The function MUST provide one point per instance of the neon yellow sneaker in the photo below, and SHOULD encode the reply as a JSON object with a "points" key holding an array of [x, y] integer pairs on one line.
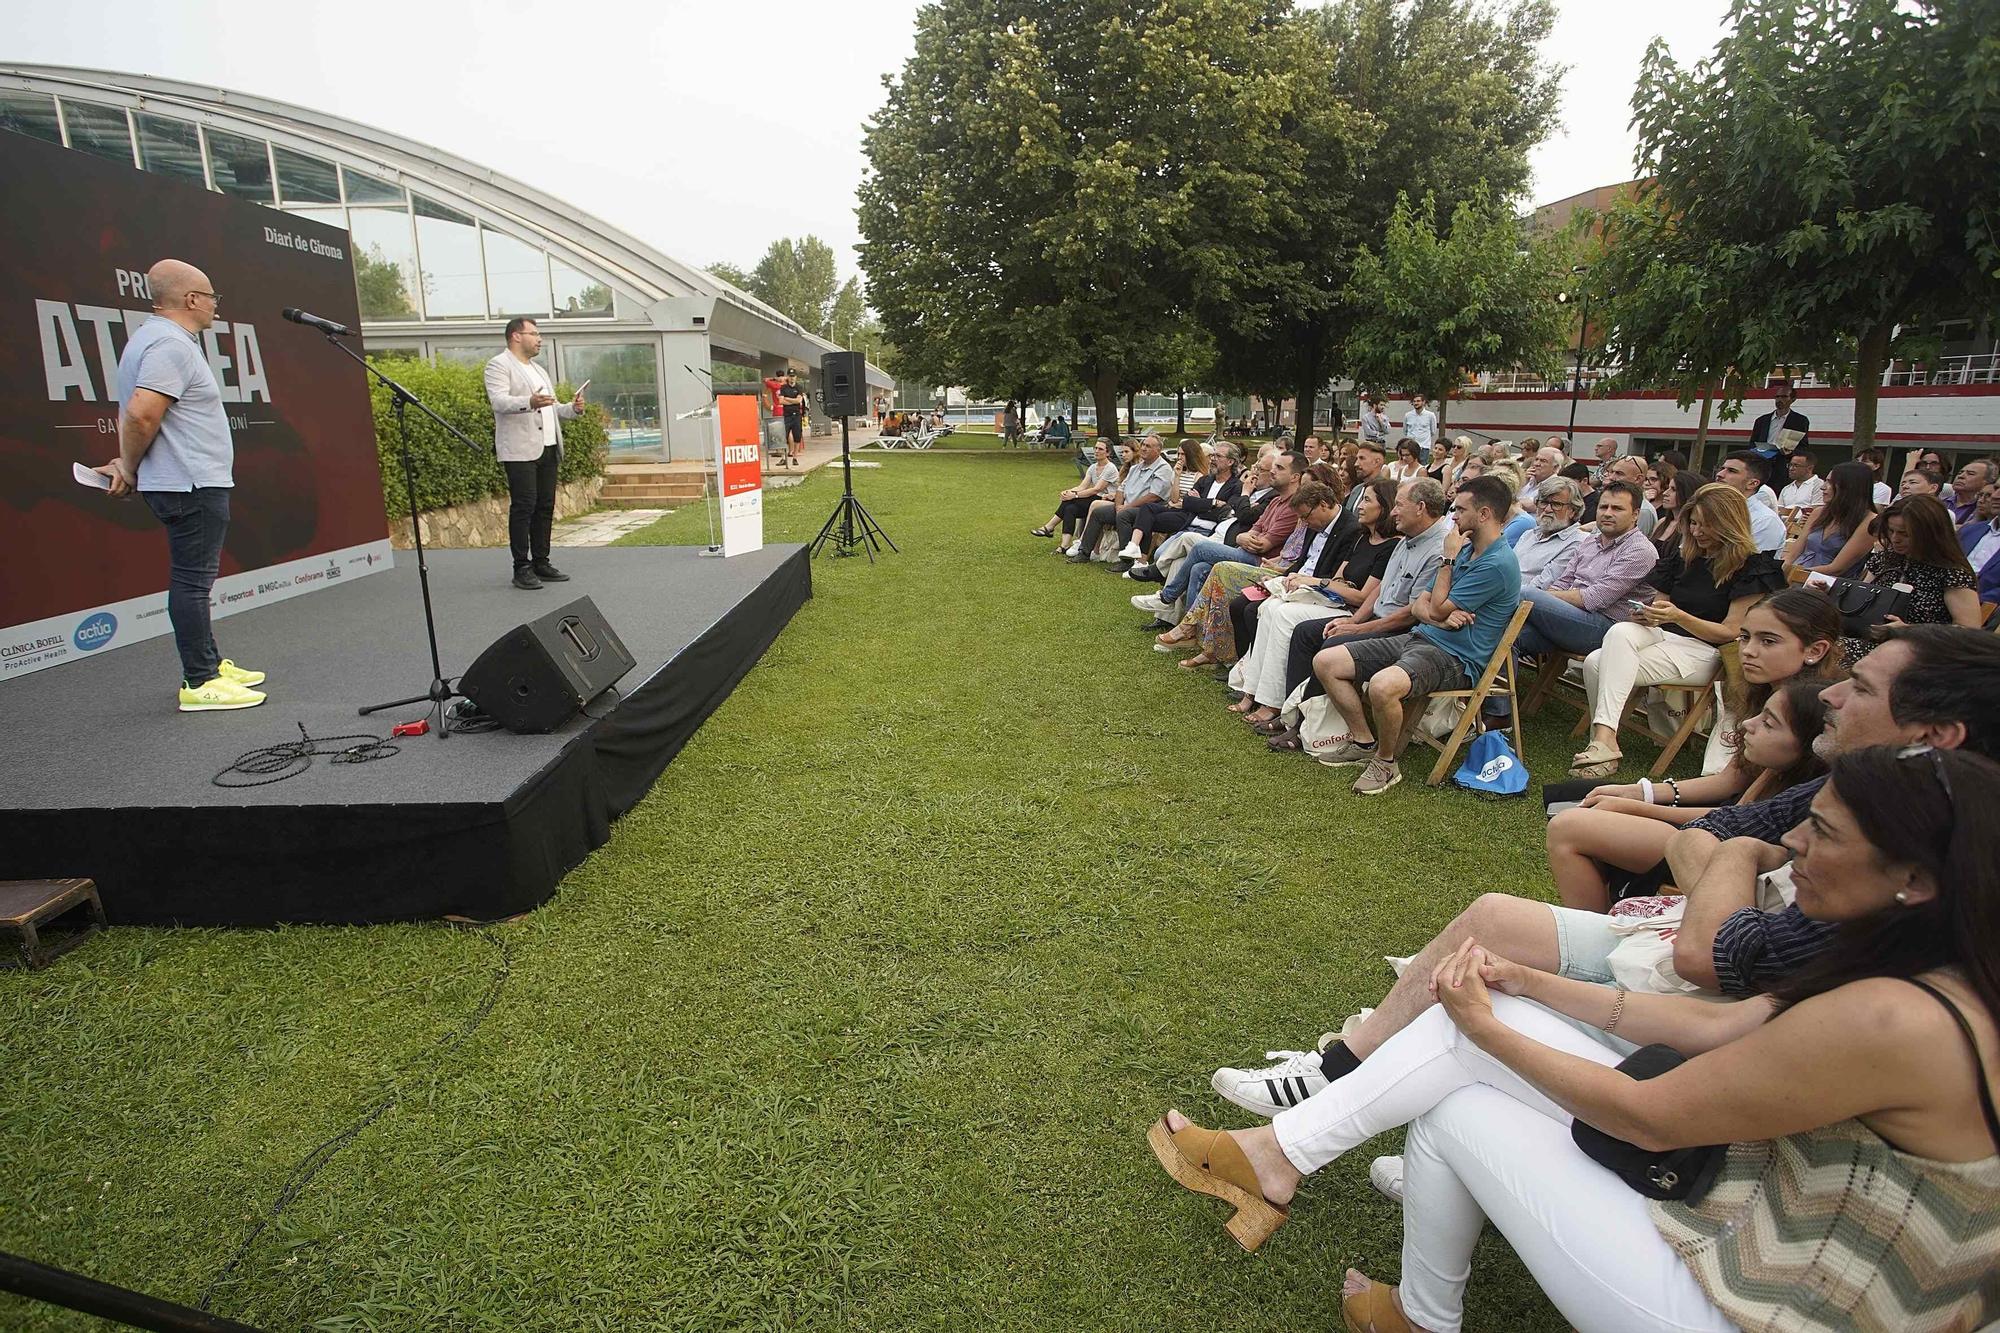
{"points": [[237, 675], [219, 695]]}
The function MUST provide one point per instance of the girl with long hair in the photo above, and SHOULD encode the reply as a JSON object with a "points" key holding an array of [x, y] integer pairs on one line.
{"points": [[1841, 530], [1703, 592], [1860, 1184]]}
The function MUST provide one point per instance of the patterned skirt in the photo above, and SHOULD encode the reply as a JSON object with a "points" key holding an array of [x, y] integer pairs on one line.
{"points": [[1208, 614]]}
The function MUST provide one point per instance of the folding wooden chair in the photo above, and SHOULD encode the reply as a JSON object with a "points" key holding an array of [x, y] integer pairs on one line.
{"points": [[1549, 669], [1497, 678]]}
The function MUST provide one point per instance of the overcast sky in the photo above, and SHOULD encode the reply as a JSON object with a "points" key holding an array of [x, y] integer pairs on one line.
{"points": [[707, 129]]}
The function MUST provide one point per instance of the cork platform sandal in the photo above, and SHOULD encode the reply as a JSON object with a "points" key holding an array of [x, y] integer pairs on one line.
{"points": [[1208, 1161]]}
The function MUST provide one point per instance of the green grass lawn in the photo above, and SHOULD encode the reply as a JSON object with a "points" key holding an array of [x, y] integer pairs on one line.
{"points": [[857, 1022]]}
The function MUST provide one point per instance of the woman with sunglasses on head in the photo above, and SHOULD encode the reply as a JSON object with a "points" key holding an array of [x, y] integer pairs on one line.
{"points": [[1858, 1189]]}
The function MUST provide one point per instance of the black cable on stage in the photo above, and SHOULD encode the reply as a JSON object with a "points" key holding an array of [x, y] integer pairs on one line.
{"points": [[275, 763], [310, 1165]]}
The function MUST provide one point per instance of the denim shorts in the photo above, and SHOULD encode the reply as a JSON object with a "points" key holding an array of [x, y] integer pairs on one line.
{"points": [[1429, 667], [1584, 941]]}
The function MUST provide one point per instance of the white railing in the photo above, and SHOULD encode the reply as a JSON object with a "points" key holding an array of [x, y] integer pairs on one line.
{"points": [[1981, 368]]}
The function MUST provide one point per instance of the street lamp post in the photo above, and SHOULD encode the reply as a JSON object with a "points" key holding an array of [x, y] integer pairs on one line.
{"points": [[1576, 376]]}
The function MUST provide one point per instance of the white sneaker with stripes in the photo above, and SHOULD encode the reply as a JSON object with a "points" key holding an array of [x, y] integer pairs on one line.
{"points": [[1296, 1076]]}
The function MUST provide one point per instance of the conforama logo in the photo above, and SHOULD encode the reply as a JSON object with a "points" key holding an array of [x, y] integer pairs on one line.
{"points": [[95, 631]]}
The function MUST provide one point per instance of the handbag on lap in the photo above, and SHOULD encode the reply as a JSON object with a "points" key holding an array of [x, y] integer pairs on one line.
{"points": [[1862, 606]]}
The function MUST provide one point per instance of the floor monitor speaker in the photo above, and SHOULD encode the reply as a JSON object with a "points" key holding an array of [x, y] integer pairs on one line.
{"points": [[537, 676]]}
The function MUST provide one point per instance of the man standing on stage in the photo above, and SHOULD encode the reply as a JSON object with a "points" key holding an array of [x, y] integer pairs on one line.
{"points": [[792, 398], [174, 449], [527, 437]]}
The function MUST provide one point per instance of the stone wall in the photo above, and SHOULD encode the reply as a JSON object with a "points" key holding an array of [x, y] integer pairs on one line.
{"points": [[484, 522]]}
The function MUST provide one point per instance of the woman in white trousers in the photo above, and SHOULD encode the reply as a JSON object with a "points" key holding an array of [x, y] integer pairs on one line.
{"points": [[1704, 591]]}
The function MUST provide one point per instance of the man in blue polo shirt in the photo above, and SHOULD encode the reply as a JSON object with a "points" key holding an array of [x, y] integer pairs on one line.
{"points": [[174, 449], [1460, 621]]}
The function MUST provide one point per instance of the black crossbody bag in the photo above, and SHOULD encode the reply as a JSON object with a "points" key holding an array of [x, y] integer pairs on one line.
{"points": [[1683, 1173]]}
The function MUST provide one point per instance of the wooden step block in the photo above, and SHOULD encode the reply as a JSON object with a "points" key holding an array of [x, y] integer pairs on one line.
{"points": [[29, 907]]}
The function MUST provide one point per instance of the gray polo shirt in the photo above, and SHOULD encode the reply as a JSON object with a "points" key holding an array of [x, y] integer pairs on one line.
{"points": [[193, 448], [1156, 478], [1412, 568]]}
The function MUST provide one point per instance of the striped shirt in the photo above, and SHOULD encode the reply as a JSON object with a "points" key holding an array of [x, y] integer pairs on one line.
{"points": [[1834, 1230], [1754, 948]]}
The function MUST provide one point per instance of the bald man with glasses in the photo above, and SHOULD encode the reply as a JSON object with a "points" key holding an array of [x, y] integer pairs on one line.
{"points": [[175, 450]]}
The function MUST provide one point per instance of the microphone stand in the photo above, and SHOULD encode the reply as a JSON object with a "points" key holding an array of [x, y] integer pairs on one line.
{"points": [[440, 693]]}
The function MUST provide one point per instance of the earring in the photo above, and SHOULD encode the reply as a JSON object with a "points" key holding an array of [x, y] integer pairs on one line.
{"points": [[1902, 897]]}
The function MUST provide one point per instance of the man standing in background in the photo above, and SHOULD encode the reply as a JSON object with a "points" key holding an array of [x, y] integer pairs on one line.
{"points": [[527, 439], [792, 402], [174, 449], [1420, 425]]}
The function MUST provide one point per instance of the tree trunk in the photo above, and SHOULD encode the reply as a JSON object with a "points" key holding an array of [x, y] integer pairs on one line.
{"points": [[1871, 356], [1180, 411], [1701, 428], [1306, 391], [1104, 393], [1131, 413]]}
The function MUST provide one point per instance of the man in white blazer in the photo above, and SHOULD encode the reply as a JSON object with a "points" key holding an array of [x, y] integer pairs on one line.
{"points": [[527, 437]]}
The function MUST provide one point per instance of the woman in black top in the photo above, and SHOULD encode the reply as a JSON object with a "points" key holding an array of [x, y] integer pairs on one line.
{"points": [[1705, 588]]}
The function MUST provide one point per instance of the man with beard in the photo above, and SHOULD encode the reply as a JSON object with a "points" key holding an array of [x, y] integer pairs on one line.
{"points": [[1579, 596]]}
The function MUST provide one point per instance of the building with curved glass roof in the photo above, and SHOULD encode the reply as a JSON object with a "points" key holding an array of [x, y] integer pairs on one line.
{"points": [[446, 251]]}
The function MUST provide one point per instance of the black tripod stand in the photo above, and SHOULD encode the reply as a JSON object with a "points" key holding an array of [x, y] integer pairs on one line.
{"points": [[855, 525], [440, 693]]}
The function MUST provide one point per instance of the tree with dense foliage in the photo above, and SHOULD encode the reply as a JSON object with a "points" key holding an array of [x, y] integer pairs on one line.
{"points": [[1052, 185], [1668, 306], [1441, 99], [1433, 307], [1843, 150]]}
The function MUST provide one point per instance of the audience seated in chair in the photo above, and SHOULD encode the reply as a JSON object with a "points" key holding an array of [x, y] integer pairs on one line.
{"points": [[1461, 619], [1580, 595], [1261, 676], [1074, 503], [1148, 480], [1858, 1095], [1702, 593]]}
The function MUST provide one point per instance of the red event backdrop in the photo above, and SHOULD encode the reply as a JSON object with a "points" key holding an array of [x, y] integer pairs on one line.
{"points": [[86, 572]]}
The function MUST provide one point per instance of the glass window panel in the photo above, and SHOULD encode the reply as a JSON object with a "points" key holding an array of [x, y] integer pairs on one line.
{"points": [[578, 295], [517, 276], [170, 147], [385, 263], [241, 166], [332, 217], [99, 130], [306, 180], [31, 114], [367, 190], [448, 247], [470, 354], [624, 381]]}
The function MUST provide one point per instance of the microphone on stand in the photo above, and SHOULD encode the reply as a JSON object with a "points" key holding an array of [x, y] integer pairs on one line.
{"points": [[311, 321]]}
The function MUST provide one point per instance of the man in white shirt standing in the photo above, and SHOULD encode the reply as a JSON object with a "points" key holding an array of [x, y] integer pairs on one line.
{"points": [[527, 437], [1420, 425], [1806, 491]]}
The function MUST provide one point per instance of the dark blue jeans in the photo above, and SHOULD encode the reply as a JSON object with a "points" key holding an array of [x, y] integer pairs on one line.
{"points": [[196, 522]]}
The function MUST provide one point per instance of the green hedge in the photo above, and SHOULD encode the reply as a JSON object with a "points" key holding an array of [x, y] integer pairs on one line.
{"points": [[448, 473]]}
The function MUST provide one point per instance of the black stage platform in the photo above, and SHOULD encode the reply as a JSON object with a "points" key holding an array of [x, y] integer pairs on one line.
{"points": [[103, 778]]}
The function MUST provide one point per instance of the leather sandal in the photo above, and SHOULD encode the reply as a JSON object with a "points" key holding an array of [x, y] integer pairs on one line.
{"points": [[1270, 726], [1285, 742], [1209, 1162], [1596, 760], [1373, 1310]]}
